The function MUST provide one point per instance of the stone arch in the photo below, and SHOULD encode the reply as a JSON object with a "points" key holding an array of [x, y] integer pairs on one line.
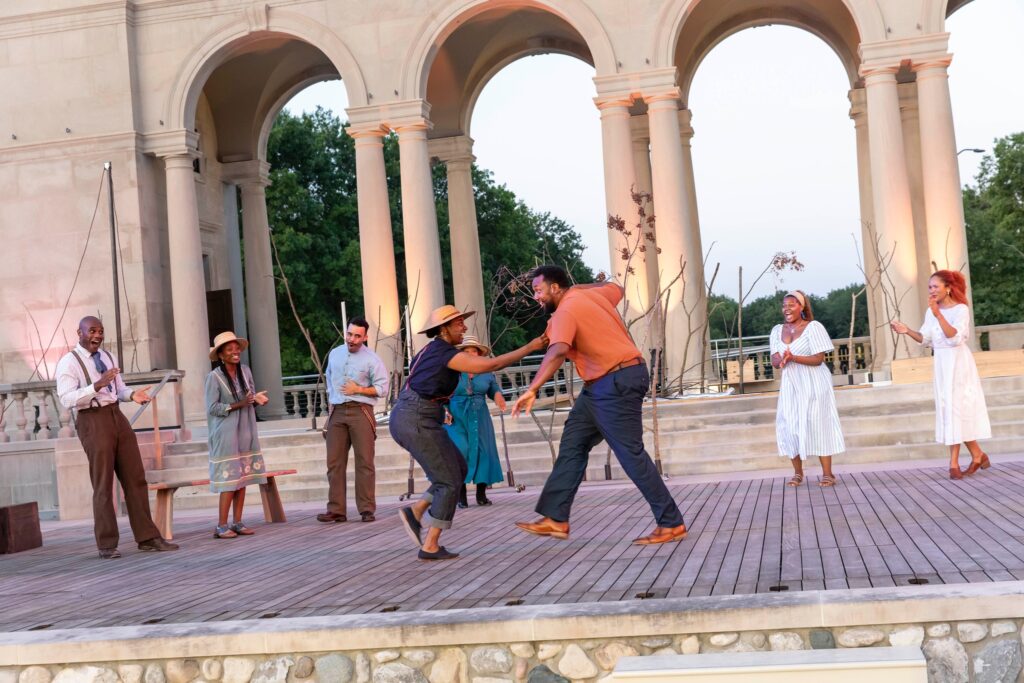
{"points": [[469, 104], [277, 105], [229, 39], [433, 32], [935, 12], [671, 21]]}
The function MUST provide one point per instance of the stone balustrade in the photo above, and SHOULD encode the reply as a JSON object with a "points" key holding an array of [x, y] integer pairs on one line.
{"points": [[31, 411]]}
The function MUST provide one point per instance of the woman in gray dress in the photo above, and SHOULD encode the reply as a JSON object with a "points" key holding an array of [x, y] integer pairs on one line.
{"points": [[235, 457]]}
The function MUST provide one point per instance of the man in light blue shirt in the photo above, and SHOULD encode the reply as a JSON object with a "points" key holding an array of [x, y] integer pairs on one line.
{"points": [[356, 379]]}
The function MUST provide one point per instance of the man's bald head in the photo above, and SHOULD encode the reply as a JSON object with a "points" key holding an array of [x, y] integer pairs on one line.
{"points": [[90, 333]]}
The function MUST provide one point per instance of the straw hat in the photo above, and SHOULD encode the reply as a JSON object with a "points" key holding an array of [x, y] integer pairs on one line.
{"points": [[469, 340], [222, 339], [445, 314]]}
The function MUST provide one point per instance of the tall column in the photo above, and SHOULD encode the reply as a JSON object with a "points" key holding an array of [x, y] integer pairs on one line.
{"points": [[188, 287], [881, 339], [261, 293], [678, 235], [467, 276], [376, 246], [642, 165], [890, 188], [425, 280], [625, 260], [233, 248], [912, 150], [696, 286], [944, 207]]}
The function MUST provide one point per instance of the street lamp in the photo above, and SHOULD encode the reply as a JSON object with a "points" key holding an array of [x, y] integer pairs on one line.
{"points": [[970, 149]]}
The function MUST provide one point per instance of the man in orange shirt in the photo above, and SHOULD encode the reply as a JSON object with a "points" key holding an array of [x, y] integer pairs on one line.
{"points": [[586, 328]]}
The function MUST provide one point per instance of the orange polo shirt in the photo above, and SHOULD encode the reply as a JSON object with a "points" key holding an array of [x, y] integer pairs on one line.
{"points": [[587, 320]]}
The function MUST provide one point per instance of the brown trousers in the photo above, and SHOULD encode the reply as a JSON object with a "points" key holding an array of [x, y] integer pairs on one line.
{"points": [[351, 424], [110, 445]]}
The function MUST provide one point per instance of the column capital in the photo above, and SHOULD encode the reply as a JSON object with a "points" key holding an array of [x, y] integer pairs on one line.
{"points": [[685, 123], [878, 73], [640, 128], [671, 95], [246, 173], [858, 106], [611, 102], [902, 50], [932, 65], [172, 143], [370, 129], [452, 149]]}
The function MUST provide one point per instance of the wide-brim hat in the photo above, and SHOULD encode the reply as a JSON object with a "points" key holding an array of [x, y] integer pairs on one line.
{"points": [[445, 314], [471, 341], [222, 339]]}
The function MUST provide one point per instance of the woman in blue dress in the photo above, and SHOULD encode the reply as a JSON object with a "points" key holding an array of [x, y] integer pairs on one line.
{"points": [[471, 428]]}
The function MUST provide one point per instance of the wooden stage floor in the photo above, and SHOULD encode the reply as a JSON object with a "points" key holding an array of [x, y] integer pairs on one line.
{"points": [[877, 527]]}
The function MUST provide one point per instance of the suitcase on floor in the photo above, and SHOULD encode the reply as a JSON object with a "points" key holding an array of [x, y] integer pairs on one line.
{"points": [[19, 528]]}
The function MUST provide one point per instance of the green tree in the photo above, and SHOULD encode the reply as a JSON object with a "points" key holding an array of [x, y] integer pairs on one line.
{"points": [[312, 207], [994, 215]]}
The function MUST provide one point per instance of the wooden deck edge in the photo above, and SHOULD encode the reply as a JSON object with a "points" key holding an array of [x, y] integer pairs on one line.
{"points": [[801, 610]]}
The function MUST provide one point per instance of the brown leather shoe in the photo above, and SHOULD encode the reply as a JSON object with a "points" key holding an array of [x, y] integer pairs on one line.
{"points": [[662, 534], [157, 545], [331, 517], [109, 553], [546, 527]]}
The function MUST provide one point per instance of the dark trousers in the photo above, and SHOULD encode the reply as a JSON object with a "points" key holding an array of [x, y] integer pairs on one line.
{"points": [[351, 425], [112, 449], [609, 409], [417, 426]]}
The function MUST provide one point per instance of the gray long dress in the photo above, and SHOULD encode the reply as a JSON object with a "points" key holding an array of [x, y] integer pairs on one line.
{"points": [[235, 457]]}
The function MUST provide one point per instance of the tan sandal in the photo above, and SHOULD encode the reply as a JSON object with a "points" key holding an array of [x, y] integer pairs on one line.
{"points": [[796, 480], [827, 480]]}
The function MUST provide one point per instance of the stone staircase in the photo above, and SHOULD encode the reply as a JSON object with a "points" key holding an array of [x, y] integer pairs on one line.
{"points": [[697, 436]]}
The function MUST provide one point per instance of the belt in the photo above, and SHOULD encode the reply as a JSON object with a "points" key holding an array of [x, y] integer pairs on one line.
{"points": [[621, 366], [95, 409]]}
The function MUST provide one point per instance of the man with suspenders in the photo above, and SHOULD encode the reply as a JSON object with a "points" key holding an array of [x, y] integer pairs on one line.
{"points": [[90, 384]]}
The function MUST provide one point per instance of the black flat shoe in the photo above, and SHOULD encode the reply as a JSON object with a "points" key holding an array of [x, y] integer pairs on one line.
{"points": [[109, 553], [441, 554], [411, 525], [484, 501], [461, 505]]}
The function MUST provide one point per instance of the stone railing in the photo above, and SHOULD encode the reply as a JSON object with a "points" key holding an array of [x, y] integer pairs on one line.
{"points": [[1000, 337], [757, 358], [30, 411], [301, 392]]}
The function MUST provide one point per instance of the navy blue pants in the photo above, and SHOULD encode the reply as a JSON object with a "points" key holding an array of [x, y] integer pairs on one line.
{"points": [[610, 409], [417, 426]]}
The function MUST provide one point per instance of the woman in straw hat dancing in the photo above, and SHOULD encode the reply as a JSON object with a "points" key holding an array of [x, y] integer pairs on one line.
{"points": [[471, 428], [235, 457], [417, 424]]}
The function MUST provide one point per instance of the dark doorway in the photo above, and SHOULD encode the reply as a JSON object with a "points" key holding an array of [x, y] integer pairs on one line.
{"points": [[219, 314]]}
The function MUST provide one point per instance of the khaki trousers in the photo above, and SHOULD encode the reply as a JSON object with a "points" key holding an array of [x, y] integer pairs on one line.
{"points": [[112, 449], [351, 424]]}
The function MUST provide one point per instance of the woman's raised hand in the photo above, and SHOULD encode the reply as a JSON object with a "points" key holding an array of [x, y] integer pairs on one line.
{"points": [[898, 327], [538, 343]]}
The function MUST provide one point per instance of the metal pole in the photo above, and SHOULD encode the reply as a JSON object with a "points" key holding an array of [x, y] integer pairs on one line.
{"points": [[108, 167]]}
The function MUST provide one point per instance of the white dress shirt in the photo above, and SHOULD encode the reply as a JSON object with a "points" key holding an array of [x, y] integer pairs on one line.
{"points": [[77, 391]]}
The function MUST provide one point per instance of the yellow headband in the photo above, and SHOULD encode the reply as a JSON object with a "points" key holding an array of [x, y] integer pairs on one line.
{"points": [[799, 297]]}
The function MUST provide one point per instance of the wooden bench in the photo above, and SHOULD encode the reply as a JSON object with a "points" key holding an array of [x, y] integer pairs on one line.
{"points": [[842, 665], [273, 510]]}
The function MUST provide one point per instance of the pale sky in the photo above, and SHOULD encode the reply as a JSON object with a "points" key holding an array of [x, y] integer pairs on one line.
{"points": [[774, 148]]}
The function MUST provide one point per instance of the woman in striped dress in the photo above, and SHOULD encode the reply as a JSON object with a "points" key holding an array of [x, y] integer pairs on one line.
{"points": [[807, 422]]}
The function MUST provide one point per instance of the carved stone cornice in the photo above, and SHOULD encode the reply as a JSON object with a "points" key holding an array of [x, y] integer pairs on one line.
{"points": [[452, 149], [396, 116], [251, 172], [635, 85], [172, 143]]}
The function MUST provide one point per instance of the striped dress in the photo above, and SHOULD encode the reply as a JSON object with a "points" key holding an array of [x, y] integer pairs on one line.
{"points": [[806, 422]]}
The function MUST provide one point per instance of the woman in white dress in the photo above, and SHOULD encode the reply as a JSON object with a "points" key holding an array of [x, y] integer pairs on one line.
{"points": [[807, 422], [960, 411]]}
